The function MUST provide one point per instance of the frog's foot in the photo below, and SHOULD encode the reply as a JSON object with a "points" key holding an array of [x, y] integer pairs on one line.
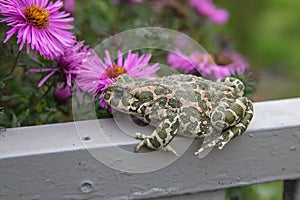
{"points": [[170, 149], [161, 136], [231, 132], [141, 136], [219, 142], [238, 129], [203, 151]]}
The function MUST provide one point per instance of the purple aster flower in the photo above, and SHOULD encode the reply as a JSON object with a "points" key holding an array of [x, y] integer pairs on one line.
{"points": [[39, 24], [234, 61], [207, 9], [63, 92], [68, 63], [96, 74], [226, 63], [69, 5], [180, 61], [220, 16]]}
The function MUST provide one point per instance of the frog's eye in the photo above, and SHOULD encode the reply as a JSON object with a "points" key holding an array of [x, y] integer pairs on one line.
{"points": [[118, 91]]}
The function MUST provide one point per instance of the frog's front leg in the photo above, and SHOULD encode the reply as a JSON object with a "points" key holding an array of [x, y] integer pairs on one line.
{"points": [[234, 121], [161, 136]]}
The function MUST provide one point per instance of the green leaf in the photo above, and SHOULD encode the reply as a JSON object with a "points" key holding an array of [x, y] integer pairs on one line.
{"points": [[14, 121], [5, 77], [8, 98], [2, 85]]}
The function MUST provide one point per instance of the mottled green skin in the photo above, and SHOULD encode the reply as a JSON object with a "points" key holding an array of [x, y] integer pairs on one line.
{"points": [[183, 104]]}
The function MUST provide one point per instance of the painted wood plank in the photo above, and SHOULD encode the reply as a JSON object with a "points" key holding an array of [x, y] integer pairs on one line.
{"points": [[52, 161], [211, 195]]}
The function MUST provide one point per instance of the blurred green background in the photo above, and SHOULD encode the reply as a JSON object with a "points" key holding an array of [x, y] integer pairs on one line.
{"points": [[267, 33]]}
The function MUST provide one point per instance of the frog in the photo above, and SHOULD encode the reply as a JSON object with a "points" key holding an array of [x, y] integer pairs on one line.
{"points": [[184, 105]]}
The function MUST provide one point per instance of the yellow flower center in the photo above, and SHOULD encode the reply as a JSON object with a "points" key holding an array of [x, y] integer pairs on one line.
{"points": [[115, 71], [37, 16]]}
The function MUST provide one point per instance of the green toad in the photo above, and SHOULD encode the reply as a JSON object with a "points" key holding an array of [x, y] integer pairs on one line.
{"points": [[183, 105]]}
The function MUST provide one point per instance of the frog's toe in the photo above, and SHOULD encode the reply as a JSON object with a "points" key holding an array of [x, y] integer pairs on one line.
{"points": [[140, 136], [205, 149], [139, 146], [223, 140], [170, 149]]}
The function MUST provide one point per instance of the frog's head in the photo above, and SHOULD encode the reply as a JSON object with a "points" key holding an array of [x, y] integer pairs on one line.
{"points": [[118, 95]]}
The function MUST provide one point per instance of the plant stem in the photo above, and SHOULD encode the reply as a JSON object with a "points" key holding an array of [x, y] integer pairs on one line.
{"points": [[15, 63], [40, 98], [12, 69]]}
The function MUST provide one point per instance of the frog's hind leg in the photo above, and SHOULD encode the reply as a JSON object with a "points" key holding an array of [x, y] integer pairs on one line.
{"points": [[237, 129], [234, 83], [161, 136], [235, 121]]}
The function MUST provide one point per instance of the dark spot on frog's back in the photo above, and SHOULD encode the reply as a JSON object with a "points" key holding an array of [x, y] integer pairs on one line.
{"points": [[162, 101], [159, 90], [136, 104], [174, 103], [202, 104], [144, 95]]}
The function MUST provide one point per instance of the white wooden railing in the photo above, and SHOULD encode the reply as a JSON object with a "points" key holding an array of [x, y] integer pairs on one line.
{"points": [[51, 162]]}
